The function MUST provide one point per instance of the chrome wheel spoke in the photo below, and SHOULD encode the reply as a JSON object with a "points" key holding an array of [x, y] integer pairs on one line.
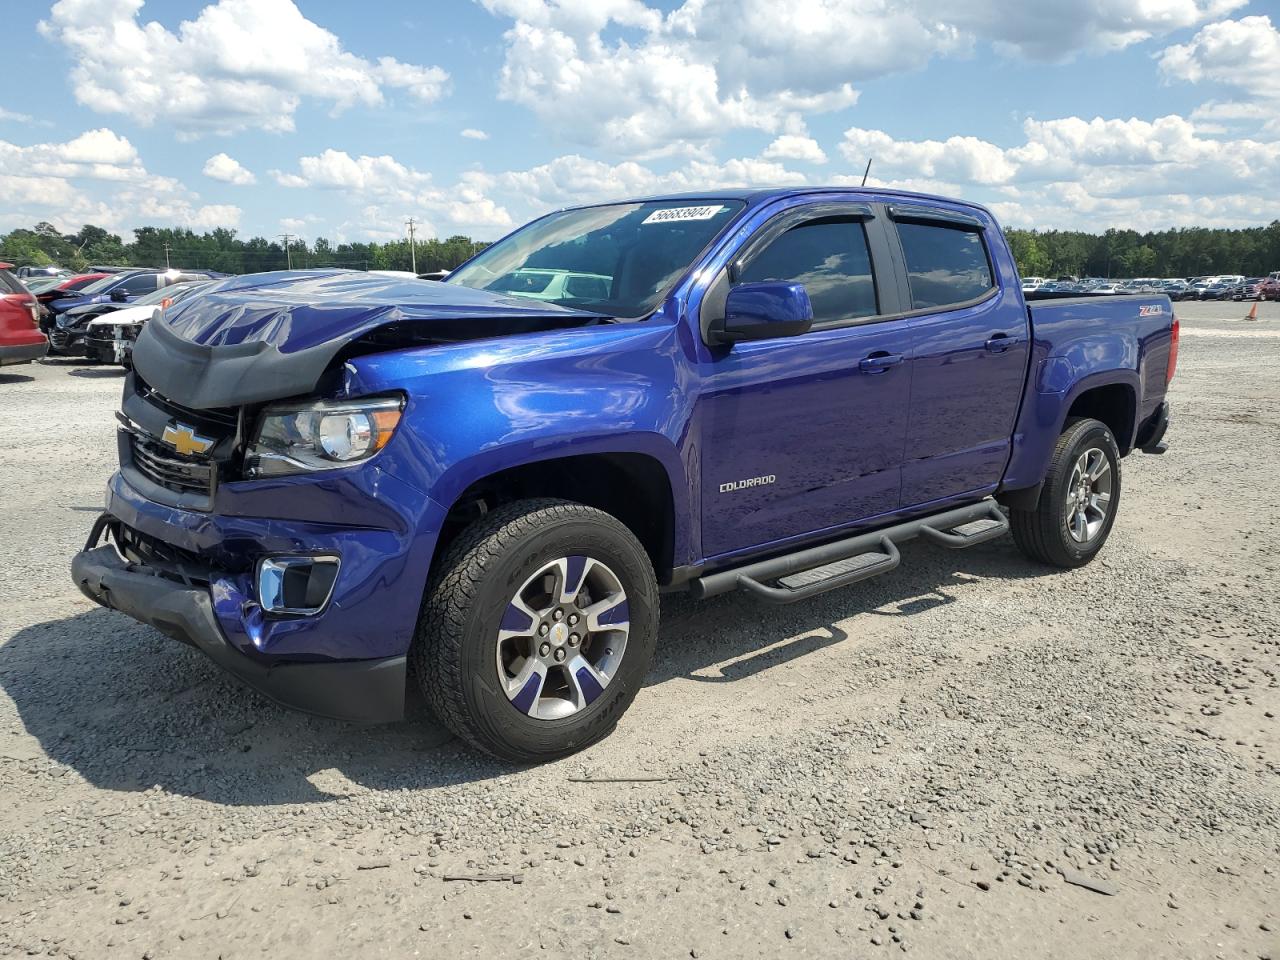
{"points": [[573, 574], [1100, 467], [526, 688], [587, 682], [611, 613]]}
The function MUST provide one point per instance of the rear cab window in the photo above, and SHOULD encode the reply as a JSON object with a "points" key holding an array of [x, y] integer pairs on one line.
{"points": [[947, 265]]}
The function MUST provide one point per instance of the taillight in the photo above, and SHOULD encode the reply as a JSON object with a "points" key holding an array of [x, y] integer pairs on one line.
{"points": [[1173, 352]]}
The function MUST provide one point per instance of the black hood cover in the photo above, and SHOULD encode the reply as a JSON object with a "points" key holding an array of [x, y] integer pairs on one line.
{"points": [[272, 335]]}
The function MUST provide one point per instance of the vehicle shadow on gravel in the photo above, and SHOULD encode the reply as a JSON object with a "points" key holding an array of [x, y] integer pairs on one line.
{"points": [[734, 636], [98, 373], [127, 708], [7, 378]]}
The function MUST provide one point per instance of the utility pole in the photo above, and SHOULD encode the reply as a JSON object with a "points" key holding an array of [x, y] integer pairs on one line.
{"points": [[166, 254], [286, 237], [413, 250]]}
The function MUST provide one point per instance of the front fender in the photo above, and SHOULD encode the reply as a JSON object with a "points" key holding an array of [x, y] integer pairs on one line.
{"points": [[478, 408]]}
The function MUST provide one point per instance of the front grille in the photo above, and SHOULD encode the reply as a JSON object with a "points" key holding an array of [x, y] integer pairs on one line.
{"points": [[161, 465], [224, 417], [160, 557]]}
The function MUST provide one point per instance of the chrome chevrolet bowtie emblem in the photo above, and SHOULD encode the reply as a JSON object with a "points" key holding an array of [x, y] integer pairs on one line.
{"points": [[185, 440]]}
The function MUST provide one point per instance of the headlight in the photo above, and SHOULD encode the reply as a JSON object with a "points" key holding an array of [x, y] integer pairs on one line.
{"points": [[302, 438]]}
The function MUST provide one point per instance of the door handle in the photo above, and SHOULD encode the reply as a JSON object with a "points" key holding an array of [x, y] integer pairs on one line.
{"points": [[879, 362], [1001, 342]]}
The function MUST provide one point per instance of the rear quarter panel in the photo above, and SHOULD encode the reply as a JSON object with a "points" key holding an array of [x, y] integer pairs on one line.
{"points": [[1078, 345]]}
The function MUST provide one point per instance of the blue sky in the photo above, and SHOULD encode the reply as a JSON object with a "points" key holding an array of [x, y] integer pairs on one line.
{"points": [[341, 120]]}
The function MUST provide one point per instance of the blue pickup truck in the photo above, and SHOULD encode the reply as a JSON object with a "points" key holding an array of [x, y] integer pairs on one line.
{"points": [[336, 485]]}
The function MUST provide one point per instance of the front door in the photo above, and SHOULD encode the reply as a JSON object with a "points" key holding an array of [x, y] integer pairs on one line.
{"points": [[805, 433]]}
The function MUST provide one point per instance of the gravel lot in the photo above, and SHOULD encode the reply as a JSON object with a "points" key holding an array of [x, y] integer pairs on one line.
{"points": [[969, 757]]}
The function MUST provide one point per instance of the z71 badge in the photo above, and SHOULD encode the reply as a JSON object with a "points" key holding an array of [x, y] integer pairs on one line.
{"points": [[1150, 310]]}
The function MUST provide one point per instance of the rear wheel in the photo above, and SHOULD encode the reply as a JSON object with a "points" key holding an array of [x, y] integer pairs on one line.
{"points": [[538, 629], [1078, 502]]}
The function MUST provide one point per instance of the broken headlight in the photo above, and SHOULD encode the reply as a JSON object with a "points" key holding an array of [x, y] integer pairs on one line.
{"points": [[302, 438]]}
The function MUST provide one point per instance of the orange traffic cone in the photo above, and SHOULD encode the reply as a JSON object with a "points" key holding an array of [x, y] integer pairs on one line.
{"points": [[1253, 311]]}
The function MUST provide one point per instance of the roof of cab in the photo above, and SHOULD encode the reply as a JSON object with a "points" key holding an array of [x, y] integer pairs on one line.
{"points": [[760, 195]]}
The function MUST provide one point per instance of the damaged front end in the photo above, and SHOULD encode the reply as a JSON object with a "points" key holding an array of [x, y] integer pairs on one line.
{"points": [[229, 525]]}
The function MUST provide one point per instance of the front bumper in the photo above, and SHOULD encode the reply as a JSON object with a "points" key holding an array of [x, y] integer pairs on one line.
{"points": [[191, 574], [367, 691]]}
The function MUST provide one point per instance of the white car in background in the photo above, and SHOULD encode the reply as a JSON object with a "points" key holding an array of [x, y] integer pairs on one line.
{"points": [[109, 338]]}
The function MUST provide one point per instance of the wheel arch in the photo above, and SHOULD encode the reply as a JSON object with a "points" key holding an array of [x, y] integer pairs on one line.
{"points": [[635, 488], [1114, 403]]}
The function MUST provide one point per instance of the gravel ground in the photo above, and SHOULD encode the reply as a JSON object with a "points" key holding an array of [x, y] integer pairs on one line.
{"points": [[969, 757]]}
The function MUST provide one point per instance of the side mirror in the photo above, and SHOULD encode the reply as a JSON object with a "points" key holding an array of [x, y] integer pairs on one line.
{"points": [[763, 311], [118, 296]]}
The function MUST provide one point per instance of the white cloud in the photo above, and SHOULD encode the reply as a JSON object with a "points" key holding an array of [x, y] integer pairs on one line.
{"points": [[471, 133], [792, 147], [97, 177], [13, 117], [1091, 173], [636, 80], [1242, 54], [228, 170], [240, 64], [380, 181]]}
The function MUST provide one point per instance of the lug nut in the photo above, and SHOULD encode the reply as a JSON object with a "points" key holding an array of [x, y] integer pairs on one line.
{"points": [[543, 630], [558, 615], [560, 655], [544, 649], [573, 639], [573, 618]]}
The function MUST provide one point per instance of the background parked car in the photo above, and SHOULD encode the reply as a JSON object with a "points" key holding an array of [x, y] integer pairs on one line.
{"points": [[110, 334], [51, 271], [1248, 290], [1269, 289], [66, 328], [20, 338]]}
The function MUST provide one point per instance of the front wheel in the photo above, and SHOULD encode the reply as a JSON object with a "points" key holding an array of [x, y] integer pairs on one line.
{"points": [[537, 629], [1078, 502]]}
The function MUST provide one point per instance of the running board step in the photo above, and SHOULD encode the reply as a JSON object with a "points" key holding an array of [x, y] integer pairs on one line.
{"points": [[807, 573]]}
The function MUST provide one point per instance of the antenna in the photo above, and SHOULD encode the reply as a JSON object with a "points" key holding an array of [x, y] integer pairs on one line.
{"points": [[866, 171]]}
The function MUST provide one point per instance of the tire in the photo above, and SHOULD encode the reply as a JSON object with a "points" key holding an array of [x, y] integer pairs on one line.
{"points": [[1045, 533], [498, 567]]}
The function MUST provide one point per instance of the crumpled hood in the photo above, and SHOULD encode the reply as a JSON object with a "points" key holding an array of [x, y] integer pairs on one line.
{"points": [[271, 335]]}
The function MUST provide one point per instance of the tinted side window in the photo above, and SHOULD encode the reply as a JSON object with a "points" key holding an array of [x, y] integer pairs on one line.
{"points": [[831, 259], [944, 265], [143, 283]]}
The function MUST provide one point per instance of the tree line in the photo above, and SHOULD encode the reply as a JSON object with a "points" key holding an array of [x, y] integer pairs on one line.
{"points": [[223, 250], [1182, 252]]}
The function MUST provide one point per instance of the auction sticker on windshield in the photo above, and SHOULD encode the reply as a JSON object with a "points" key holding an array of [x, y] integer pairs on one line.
{"points": [[682, 213]]}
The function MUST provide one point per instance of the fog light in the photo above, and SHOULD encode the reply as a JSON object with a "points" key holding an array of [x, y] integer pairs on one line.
{"points": [[296, 585]]}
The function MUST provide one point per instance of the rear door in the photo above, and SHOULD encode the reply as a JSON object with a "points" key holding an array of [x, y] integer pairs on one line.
{"points": [[969, 365], [804, 433]]}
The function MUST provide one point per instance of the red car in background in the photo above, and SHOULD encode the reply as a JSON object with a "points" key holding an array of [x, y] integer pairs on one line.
{"points": [[20, 338], [1269, 289], [69, 287]]}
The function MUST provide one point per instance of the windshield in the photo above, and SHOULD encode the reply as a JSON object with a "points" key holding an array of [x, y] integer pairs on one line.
{"points": [[175, 291], [619, 260]]}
